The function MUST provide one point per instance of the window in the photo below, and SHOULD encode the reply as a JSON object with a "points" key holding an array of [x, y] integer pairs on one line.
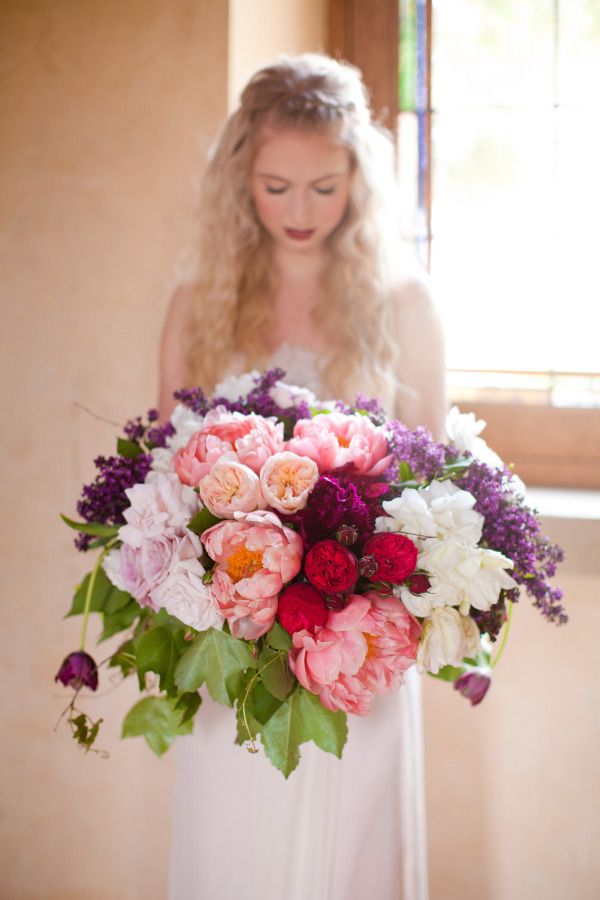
{"points": [[499, 137]]}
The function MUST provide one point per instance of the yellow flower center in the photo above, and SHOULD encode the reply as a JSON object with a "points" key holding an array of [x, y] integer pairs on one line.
{"points": [[371, 644], [342, 441], [243, 563]]}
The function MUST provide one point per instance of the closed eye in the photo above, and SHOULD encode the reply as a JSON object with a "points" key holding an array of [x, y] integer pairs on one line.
{"points": [[325, 191], [275, 190]]}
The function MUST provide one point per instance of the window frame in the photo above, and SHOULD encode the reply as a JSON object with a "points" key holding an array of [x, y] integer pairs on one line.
{"points": [[548, 445]]}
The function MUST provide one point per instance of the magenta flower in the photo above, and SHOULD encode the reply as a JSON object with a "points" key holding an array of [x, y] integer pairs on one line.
{"points": [[78, 670], [473, 685]]}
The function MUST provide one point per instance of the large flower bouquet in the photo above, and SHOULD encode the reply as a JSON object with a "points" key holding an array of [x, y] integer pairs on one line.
{"points": [[296, 558]]}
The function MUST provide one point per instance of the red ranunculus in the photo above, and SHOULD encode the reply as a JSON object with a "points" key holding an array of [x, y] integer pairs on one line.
{"points": [[301, 607], [395, 554], [331, 567]]}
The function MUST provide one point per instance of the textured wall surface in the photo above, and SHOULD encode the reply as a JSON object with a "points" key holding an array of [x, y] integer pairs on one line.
{"points": [[107, 111]]}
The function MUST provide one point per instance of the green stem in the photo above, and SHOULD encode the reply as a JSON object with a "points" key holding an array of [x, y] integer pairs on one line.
{"points": [[496, 658], [252, 737], [90, 591]]}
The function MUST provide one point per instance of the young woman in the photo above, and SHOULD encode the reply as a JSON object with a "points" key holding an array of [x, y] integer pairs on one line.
{"points": [[300, 266]]}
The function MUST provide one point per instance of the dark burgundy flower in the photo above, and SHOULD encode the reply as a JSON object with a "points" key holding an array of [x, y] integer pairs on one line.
{"points": [[395, 555], [330, 567], [367, 566], [473, 685], [418, 583], [78, 670], [301, 607]]}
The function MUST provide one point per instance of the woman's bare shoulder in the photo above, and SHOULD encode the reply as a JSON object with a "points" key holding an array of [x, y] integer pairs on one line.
{"points": [[413, 303]]}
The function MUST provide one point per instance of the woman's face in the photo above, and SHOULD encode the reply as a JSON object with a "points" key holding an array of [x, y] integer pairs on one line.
{"points": [[300, 187]]}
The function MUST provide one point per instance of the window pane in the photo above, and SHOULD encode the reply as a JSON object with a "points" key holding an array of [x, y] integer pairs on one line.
{"points": [[579, 51], [492, 52], [502, 260]]}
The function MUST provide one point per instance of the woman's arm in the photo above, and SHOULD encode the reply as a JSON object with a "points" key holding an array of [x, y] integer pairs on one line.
{"points": [[172, 367], [422, 368]]}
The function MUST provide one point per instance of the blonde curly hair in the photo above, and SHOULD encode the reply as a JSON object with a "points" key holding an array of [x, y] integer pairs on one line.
{"points": [[235, 281]]}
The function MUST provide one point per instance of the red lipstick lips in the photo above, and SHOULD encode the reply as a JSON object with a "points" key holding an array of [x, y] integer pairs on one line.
{"points": [[299, 235]]}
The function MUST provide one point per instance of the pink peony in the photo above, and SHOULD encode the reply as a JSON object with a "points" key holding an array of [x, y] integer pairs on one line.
{"points": [[255, 437], [182, 591], [392, 636], [255, 555], [161, 507], [255, 447], [362, 651], [334, 439], [229, 487], [286, 480]]}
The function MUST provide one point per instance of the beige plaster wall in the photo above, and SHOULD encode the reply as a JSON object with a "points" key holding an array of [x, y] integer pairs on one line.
{"points": [[107, 109]]}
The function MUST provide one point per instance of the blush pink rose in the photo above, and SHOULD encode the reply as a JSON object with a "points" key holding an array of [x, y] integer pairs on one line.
{"points": [[230, 487], [255, 555], [335, 439], [286, 480]]}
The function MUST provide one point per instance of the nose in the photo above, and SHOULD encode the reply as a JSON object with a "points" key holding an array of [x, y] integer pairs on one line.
{"points": [[300, 209]]}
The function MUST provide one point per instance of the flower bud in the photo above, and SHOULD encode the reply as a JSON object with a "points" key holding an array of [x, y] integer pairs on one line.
{"points": [[347, 535], [335, 601], [367, 566], [473, 685], [78, 670], [418, 583]]}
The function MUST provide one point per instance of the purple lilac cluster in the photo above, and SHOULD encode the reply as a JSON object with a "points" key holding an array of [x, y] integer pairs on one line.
{"points": [[104, 500], [513, 529], [425, 457], [152, 435], [258, 400]]}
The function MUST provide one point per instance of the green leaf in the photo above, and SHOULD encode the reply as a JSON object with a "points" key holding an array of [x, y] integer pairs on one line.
{"points": [[188, 703], [448, 673], [124, 658], [100, 594], [119, 620], [278, 638], [95, 528], [302, 718], [202, 520], [116, 600], [156, 652], [85, 730], [217, 659], [275, 673], [130, 449], [327, 729], [158, 721]]}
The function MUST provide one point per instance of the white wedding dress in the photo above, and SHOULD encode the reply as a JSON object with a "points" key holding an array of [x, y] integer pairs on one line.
{"points": [[349, 829]]}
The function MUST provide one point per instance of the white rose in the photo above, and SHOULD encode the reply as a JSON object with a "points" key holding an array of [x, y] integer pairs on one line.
{"points": [[463, 430], [453, 513], [236, 386], [286, 395], [441, 642], [408, 513], [465, 576]]}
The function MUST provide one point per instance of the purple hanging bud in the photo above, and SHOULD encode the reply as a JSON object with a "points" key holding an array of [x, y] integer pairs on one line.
{"points": [[367, 566], [78, 670], [347, 535], [473, 685]]}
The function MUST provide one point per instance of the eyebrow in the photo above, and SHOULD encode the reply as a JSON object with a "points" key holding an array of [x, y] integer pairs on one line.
{"points": [[314, 181]]}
